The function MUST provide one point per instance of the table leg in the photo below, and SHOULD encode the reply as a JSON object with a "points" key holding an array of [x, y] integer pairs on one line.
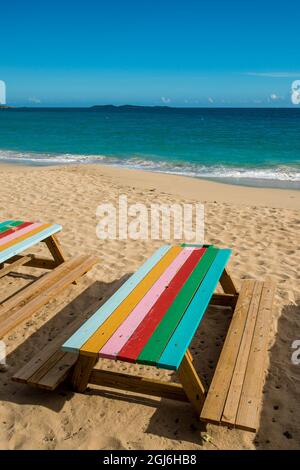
{"points": [[55, 249], [227, 283], [82, 372], [191, 383]]}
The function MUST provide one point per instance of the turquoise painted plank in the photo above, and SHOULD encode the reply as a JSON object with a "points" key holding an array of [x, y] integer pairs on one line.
{"points": [[184, 333], [2, 224], [23, 245], [77, 340]]}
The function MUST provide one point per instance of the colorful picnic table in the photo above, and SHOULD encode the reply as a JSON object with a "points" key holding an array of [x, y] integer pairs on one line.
{"points": [[17, 236], [151, 320]]}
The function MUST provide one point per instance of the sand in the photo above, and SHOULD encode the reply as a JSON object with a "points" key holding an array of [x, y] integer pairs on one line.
{"points": [[262, 226]]}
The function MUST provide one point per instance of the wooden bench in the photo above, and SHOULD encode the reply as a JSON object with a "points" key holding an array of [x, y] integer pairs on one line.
{"points": [[235, 393], [151, 319], [16, 236]]}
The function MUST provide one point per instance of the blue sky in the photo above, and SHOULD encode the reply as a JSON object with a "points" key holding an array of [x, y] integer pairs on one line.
{"points": [[179, 53]]}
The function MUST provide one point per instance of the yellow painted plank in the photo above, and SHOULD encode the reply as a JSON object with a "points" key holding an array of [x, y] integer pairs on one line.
{"points": [[102, 335], [24, 237]]}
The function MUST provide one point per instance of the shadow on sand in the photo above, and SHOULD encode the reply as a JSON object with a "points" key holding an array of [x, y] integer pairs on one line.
{"points": [[280, 416]]}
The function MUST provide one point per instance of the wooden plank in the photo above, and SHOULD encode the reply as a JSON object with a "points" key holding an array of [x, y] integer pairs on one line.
{"points": [[136, 384], [10, 223], [191, 383], [16, 317], [82, 372], [20, 262], [34, 365], [136, 343], [101, 336], [215, 401], [28, 242], [5, 223], [235, 388], [31, 291], [75, 342], [35, 261], [227, 283], [157, 343], [59, 372], [10, 231], [45, 367], [250, 401], [127, 328], [183, 335], [21, 235], [224, 300], [55, 249]]}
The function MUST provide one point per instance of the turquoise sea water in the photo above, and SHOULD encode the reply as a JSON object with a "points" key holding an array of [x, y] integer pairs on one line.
{"points": [[259, 147]]}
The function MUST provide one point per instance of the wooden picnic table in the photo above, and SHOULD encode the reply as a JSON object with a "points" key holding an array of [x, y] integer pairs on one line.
{"points": [[17, 236], [153, 317]]}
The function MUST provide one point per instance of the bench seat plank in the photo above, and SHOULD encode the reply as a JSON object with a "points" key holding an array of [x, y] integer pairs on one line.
{"points": [[249, 406], [76, 341], [217, 393], [232, 404], [42, 291], [183, 335], [48, 368], [157, 343], [235, 393]]}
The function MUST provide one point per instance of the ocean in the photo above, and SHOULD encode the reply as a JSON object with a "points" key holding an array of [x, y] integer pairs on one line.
{"points": [[256, 147]]}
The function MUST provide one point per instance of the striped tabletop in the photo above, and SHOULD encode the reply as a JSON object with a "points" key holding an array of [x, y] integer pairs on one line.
{"points": [[17, 235], [154, 315]]}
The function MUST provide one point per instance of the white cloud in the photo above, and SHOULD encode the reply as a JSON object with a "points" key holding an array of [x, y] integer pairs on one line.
{"points": [[34, 100], [275, 97], [166, 100], [273, 74], [210, 99], [2, 92]]}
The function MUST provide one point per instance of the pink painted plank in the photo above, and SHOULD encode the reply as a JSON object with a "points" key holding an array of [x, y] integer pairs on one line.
{"points": [[144, 331], [15, 229], [19, 233], [128, 327]]}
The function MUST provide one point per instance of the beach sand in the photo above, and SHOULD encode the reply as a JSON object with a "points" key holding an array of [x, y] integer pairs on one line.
{"points": [[262, 226]]}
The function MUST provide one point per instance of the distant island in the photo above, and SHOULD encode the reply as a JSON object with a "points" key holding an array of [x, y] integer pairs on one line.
{"points": [[4, 106], [126, 107]]}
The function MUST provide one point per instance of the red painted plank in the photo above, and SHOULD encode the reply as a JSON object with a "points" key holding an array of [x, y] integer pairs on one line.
{"points": [[15, 229], [137, 341]]}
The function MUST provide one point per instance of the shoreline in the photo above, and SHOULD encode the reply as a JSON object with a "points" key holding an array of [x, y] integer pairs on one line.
{"points": [[188, 187]]}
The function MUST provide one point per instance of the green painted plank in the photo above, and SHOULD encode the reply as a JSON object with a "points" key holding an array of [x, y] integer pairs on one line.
{"points": [[184, 333], [6, 222], [13, 223], [158, 341]]}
